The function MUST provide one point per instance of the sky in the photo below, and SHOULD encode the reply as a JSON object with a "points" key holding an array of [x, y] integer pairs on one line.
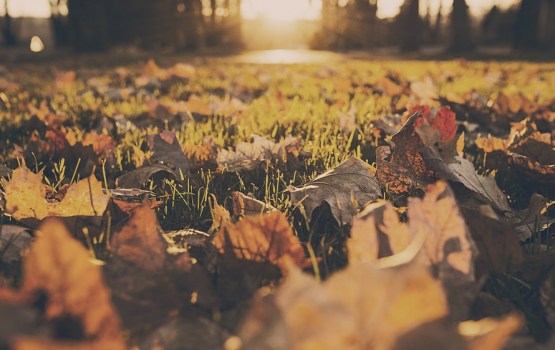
{"points": [[279, 9]]}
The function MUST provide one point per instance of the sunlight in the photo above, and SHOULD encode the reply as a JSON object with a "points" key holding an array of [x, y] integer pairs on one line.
{"points": [[27, 8], [281, 10]]}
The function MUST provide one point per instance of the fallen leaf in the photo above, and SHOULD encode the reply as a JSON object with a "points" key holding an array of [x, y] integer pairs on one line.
{"points": [[137, 178], [249, 155], [264, 238], [529, 221], [435, 221], [345, 188], [60, 267], [25, 196], [484, 187], [498, 245], [361, 307], [401, 166], [244, 205], [167, 151], [149, 284], [14, 242], [140, 242]]}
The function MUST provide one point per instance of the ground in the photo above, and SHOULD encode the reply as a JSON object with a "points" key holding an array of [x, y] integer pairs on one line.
{"points": [[222, 178]]}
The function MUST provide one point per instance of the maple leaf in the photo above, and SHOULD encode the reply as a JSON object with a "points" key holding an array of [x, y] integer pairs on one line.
{"points": [[401, 166], [361, 307], [345, 188], [265, 238], [441, 120], [60, 266], [435, 226], [25, 196]]}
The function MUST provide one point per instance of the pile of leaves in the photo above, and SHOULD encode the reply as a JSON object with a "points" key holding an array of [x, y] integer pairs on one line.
{"points": [[214, 205]]}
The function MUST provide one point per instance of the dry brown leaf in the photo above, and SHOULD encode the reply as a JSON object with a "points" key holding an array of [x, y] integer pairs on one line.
{"points": [[435, 221], [526, 150], [140, 242], [345, 188], [401, 166], [249, 155], [61, 267], [361, 307], [150, 284], [244, 205], [25, 196], [265, 238], [498, 245], [483, 187]]}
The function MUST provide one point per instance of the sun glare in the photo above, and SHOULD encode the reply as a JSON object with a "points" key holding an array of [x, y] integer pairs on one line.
{"points": [[281, 10]]}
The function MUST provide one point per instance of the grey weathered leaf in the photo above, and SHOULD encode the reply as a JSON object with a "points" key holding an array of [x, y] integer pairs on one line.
{"points": [[484, 187], [531, 220], [14, 240], [345, 188], [248, 155], [138, 177]]}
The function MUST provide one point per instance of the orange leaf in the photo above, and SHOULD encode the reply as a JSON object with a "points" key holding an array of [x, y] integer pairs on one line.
{"points": [[434, 221], [361, 307], [266, 238], [25, 197], [60, 266]]}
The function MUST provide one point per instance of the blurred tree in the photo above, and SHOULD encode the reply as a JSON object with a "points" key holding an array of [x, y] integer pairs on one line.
{"points": [[59, 20], [547, 24], [173, 24], [436, 33], [497, 26], [410, 26], [7, 30], [361, 30], [535, 25], [461, 27], [88, 24], [526, 26]]}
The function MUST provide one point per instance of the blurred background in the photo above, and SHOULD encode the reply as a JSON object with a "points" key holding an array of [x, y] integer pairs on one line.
{"points": [[433, 26]]}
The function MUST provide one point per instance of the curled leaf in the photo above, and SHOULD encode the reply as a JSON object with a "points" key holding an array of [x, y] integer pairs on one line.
{"points": [[346, 188], [435, 221]]}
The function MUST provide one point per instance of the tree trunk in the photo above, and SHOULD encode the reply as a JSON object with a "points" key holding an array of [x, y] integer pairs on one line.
{"points": [[88, 25], [7, 32], [526, 26], [410, 26], [461, 28]]}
